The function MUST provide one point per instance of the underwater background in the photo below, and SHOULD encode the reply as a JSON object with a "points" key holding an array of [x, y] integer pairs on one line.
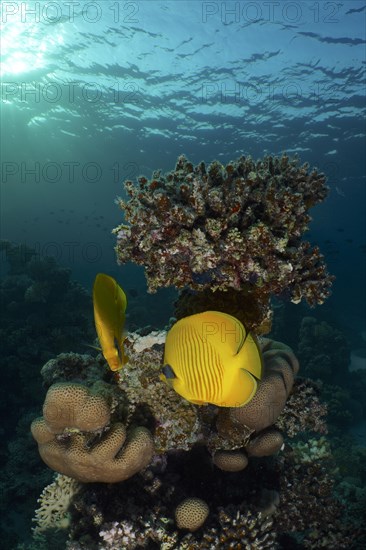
{"points": [[94, 93]]}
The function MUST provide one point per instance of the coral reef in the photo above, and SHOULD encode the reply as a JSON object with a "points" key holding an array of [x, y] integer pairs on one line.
{"points": [[230, 461], [271, 503], [311, 450], [43, 313], [241, 529], [312, 510], [76, 407], [303, 411], [33, 331], [75, 368], [219, 227], [87, 425]]}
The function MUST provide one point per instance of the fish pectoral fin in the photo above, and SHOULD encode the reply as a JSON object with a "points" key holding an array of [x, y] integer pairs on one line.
{"points": [[243, 390], [91, 346]]}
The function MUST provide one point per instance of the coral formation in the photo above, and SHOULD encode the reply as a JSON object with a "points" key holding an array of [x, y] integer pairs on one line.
{"points": [[230, 461], [241, 529], [191, 514], [115, 457], [311, 450], [54, 504], [219, 227], [75, 436], [75, 368], [56, 320], [303, 411], [267, 443], [265, 506], [312, 510], [76, 407], [77, 422]]}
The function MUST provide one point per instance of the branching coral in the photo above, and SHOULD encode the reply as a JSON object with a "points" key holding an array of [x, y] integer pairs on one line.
{"points": [[233, 529], [303, 410], [227, 227], [313, 510], [54, 504]]}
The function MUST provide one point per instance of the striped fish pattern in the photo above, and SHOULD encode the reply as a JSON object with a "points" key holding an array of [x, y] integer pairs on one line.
{"points": [[211, 358]]}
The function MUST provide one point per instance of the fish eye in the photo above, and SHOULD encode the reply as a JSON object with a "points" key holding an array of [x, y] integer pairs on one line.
{"points": [[168, 372]]}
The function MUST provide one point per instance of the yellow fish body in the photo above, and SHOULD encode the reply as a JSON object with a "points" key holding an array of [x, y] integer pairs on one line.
{"points": [[109, 302], [211, 358]]}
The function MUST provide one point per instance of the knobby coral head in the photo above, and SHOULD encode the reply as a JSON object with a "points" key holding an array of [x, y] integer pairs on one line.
{"points": [[226, 227]]}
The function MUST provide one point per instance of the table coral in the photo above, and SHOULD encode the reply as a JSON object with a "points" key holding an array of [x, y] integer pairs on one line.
{"points": [[227, 227]]}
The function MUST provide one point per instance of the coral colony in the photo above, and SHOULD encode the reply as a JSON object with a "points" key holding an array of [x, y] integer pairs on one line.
{"points": [[171, 474], [234, 227]]}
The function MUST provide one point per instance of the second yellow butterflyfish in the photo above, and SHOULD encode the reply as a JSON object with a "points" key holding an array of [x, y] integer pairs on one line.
{"points": [[211, 358], [110, 302]]}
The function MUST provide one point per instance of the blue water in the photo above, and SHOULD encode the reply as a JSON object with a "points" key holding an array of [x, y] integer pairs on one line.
{"points": [[94, 93]]}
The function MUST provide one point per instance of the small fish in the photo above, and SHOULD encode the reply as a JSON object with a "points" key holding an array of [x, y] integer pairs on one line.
{"points": [[211, 358], [340, 192], [110, 304]]}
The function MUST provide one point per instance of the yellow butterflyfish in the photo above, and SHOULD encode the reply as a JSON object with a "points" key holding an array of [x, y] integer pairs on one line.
{"points": [[110, 304], [211, 358]]}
